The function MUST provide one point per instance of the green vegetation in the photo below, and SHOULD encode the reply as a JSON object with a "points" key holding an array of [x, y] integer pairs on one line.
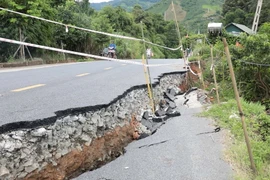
{"points": [[258, 124], [112, 20], [84, 60], [193, 14], [126, 4], [250, 58], [243, 11], [198, 13], [251, 64]]}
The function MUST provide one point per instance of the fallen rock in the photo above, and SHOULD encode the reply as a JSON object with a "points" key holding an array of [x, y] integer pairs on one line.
{"points": [[39, 132], [31, 168], [85, 138], [3, 171], [160, 113], [9, 146]]}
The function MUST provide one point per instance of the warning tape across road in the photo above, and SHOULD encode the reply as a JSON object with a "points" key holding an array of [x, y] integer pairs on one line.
{"points": [[90, 30], [81, 54]]}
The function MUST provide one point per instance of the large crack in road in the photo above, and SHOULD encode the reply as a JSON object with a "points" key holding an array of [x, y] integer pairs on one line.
{"points": [[79, 139]]}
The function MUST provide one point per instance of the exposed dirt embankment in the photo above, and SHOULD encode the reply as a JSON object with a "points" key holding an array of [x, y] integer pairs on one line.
{"points": [[82, 139], [102, 150]]}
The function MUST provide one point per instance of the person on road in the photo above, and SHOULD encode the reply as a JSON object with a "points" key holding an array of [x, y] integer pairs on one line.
{"points": [[112, 46], [149, 53], [112, 49]]}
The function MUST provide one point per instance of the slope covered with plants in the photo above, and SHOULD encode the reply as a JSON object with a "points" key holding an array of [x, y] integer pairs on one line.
{"points": [[109, 19], [198, 13], [250, 57], [126, 4], [243, 11]]}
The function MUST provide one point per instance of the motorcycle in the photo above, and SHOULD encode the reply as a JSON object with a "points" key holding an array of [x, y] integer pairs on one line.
{"points": [[149, 56], [111, 52]]}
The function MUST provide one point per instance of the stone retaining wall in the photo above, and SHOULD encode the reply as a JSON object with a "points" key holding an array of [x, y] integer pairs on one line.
{"points": [[31, 147]]}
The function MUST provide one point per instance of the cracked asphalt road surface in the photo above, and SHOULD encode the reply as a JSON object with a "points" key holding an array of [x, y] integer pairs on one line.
{"points": [[36, 92], [174, 152]]}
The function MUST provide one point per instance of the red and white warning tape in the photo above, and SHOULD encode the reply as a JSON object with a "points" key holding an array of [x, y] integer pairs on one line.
{"points": [[81, 54]]}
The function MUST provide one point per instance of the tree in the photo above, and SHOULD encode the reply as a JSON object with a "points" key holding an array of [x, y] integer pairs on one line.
{"points": [[249, 60], [243, 11], [265, 29], [18, 27]]}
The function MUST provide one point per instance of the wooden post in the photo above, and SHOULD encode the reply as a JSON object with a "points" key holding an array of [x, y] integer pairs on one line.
{"points": [[201, 75], [148, 73], [239, 104], [179, 34], [148, 83], [214, 74], [22, 53], [62, 47], [29, 53], [180, 42]]}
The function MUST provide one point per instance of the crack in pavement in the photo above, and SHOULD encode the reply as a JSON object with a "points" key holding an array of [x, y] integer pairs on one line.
{"points": [[215, 131], [153, 144]]}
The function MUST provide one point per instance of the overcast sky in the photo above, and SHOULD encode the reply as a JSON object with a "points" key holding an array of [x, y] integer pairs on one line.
{"points": [[98, 1]]}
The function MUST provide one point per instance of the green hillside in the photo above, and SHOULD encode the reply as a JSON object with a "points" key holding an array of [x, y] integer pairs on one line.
{"points": [[193, 14], [126, 4]]}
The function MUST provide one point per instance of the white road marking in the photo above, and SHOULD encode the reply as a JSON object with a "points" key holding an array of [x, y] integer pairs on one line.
{"points": [[28, 87], [80, 75], [108, 68]]}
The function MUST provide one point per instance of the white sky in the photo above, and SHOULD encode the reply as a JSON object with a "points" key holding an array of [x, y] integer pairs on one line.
{"points": [[98, 1]]}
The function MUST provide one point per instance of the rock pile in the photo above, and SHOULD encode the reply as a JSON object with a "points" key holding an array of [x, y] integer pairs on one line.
{"points": [[165, 109]]}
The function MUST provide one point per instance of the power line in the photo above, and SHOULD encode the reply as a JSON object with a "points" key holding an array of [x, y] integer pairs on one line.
{"points": [[242, 61], [90, 30], [82, 54], [253, 63]]}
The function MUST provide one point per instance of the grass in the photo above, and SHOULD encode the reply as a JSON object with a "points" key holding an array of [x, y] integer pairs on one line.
{"points": [[258, 124], [84, 60], [160, 8], [210, 10], [210, 7]]}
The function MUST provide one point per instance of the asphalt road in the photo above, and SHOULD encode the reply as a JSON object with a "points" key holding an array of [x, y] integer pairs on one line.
{"points": [[37, 92], [182, 149]]}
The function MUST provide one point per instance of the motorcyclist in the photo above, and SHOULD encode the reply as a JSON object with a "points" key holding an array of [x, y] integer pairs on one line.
{"points": [[148, 53], [112, 46]]}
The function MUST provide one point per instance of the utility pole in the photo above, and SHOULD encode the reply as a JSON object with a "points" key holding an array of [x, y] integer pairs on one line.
{"points": [[179, 35], [257, 17], [214, 74]]}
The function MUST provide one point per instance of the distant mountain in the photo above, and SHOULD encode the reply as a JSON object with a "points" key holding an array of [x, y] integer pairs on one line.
{"points": [[126, 4], [193, 14]]}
